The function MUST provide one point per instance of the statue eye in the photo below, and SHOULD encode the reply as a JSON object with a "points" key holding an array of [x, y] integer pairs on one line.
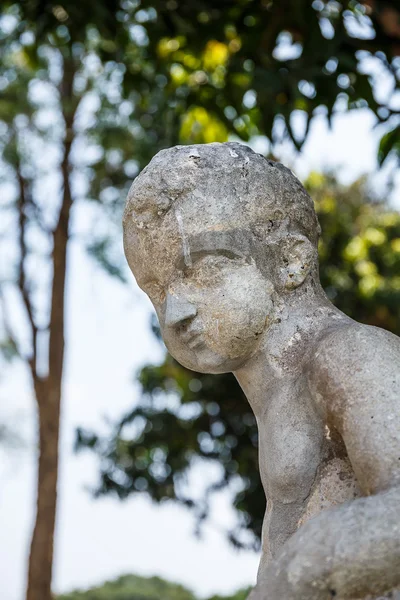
{"points": [[219, 262], [216, 258]]}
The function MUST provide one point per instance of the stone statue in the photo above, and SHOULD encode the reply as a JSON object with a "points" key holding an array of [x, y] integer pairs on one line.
{"points": [[224, 242]]}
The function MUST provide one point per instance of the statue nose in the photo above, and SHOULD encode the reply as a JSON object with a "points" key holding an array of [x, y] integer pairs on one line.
{"points": [[178, 309]]}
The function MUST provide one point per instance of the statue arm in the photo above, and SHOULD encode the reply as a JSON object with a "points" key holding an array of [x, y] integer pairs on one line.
{"points": [[352, 550], [346, 552], [356, 377]]}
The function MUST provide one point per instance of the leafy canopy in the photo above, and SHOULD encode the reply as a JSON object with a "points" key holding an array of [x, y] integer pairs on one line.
{"points": [[255, 64], [132, 587], [247, 67]]}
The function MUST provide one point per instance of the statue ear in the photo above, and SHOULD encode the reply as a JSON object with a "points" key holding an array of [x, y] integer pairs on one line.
{"points": [[297, 257]]}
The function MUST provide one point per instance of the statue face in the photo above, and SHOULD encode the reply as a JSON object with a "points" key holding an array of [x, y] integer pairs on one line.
{"points": [[212, 302], [203, 227]]}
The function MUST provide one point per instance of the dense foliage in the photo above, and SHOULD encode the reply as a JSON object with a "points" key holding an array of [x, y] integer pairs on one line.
{"points": [[258, 65], [184, 416], [132, 587], [245, 67]]}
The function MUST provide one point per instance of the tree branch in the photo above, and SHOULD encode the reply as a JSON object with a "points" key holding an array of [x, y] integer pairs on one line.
{"points": [[6, 322], [22, 284], [61, 233]]}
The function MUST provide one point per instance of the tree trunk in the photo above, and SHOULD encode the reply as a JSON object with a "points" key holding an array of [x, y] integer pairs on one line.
{"points": [[48, 396], [48, 390], [41, 551]]}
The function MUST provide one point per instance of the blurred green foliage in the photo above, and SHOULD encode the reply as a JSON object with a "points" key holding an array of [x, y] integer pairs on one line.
{"points": [[183, 416], [255, 64], [244, 67], [240, 595], [90, 91], [132, 587]]}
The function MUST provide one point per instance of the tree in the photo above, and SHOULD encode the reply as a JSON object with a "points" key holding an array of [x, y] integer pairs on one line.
{"points": [[71, 141], [183, 416], [251, 66], [267, 67], [240, 595], [132, 587]]}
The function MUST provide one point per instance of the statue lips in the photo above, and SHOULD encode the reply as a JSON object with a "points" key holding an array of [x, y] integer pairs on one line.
{"points": [[192, 337], [196, 343]]}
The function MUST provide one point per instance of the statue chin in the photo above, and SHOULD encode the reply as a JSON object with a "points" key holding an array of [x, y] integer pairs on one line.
{"points": [[207, 361]]}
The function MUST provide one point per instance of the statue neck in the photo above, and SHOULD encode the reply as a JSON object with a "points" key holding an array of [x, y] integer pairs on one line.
{"points": [[300, 319]]}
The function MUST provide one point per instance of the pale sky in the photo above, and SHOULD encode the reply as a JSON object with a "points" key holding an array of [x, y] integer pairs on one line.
{"points": [[108, 339]]}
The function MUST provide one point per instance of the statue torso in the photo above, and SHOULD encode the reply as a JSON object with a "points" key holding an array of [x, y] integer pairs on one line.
{"points": [[304, 466]]}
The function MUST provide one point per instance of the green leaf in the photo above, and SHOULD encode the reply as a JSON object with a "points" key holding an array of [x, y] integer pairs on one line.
{"points": [[390, 143]]}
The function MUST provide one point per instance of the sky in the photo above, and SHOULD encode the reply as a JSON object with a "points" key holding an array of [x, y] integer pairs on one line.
{"points": [[108, 339]]}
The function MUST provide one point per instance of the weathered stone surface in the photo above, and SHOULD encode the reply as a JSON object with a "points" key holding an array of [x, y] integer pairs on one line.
{"points": [[224, 242]]}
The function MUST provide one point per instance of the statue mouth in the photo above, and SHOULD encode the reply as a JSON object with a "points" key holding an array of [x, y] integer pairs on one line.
{"points": [[196, 342], [192, 338]]}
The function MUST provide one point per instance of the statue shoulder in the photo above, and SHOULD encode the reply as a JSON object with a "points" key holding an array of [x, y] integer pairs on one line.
{"points": [[356, 342], [351, 359]]}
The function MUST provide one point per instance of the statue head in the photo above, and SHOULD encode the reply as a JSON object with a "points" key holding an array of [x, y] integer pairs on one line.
{"points": [[218, 237]]}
